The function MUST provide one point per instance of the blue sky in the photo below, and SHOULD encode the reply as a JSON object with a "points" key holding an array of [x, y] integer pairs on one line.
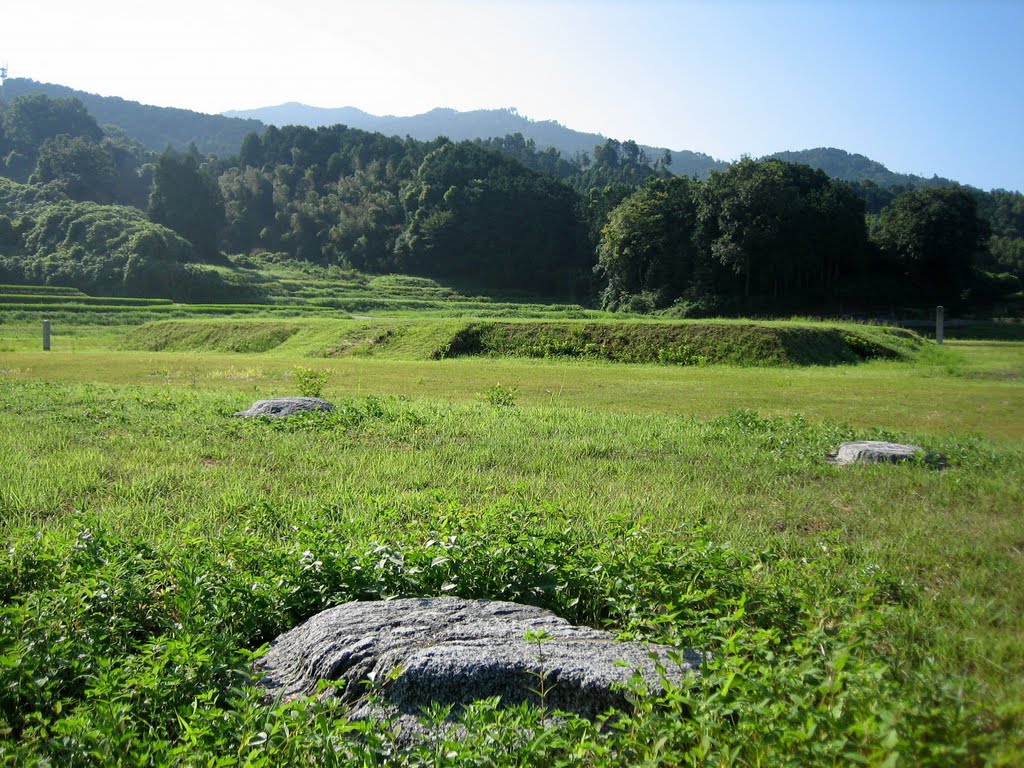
{"points": [[926, 87]]}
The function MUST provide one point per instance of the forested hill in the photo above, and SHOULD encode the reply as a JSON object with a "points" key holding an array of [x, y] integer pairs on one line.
{"points": [[154, 127], [222, 135], [89, 208], [846, 166], [476, 124]]}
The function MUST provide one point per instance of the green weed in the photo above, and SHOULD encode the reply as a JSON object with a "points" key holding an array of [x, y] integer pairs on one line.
{"points": [[111, 643], [501, 395], [310, 382]]}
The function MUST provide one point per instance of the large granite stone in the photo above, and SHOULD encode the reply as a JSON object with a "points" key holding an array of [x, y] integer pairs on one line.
{"points": [[454, 651], [285, 406], [874, 451]]}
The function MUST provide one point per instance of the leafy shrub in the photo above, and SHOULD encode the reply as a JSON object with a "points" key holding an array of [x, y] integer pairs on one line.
{"points": [[501, 395], [310, 382], [103, 249]]}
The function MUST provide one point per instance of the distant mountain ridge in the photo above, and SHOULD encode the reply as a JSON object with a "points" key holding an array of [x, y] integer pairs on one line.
{"points": [[475, 124], [493, 123], [222, 135], [847, 166]]}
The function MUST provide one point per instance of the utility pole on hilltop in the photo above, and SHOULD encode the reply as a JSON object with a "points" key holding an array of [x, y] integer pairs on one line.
{"points": [[3, 72]]}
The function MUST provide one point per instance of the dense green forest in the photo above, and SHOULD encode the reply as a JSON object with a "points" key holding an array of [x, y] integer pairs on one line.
{"points": [[91, 207], [469, 126]]}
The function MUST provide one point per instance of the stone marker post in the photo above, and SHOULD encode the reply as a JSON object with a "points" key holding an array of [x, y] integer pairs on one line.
{"points": [[46, 335], [939, 330]]}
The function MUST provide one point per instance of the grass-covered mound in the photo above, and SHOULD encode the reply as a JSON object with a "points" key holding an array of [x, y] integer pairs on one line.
{"points": [[732, 343], [679, 343], [396, 339], [211, 336]]}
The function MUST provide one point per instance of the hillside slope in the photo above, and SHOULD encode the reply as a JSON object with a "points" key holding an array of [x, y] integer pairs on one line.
{"points": [[848, 166], [154, 127]]}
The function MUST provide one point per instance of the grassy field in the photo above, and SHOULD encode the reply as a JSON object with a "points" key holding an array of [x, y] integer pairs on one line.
{"points": [[970, 387], [869, 615]]}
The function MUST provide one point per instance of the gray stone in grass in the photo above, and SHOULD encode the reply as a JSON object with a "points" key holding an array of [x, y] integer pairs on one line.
{"points": [[285, 406], [875, 451], [452, 651]]}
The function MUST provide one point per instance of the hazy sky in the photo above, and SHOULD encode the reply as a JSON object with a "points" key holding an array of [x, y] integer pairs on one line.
{"points": [[923, 86]]}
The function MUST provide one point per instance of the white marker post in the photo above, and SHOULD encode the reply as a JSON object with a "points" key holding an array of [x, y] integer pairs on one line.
{"points": [[939, 330], [46, 335]]}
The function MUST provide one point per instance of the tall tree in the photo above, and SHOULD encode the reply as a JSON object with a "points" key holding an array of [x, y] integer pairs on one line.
{"points": [[370, 220], [186, 198], [248, 196], [631, 152], [83, 167], [933, 235], [31, 120], [475, 215], [133, 170], [251, 151], [781, 228], [648, 247], [607, 154]]}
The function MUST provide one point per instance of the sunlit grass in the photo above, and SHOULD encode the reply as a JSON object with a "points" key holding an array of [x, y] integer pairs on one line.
{"points": [[974, 387], [143, 446]]}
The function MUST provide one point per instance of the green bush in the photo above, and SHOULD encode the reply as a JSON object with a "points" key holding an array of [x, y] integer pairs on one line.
{"points": [[310, 382], [501, 395]]}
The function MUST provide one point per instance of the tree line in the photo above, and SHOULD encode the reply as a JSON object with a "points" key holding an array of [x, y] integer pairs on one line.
{"points": [[613, 227], [771, 236]]}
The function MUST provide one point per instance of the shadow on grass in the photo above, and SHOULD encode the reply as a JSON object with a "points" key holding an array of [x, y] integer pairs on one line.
{"points": [[991, 331]]}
